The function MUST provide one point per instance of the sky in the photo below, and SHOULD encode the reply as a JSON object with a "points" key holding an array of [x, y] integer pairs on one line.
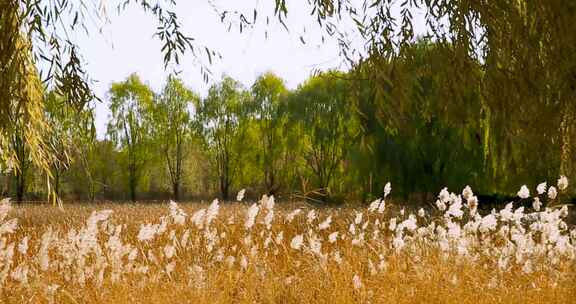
{"points": [[127, 46]]}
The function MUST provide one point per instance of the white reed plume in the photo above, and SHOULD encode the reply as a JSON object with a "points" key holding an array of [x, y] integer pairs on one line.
{"points": [[356, 282], [537, 204], [147, 232], [541, 188], [444, 195], [199, 218], [212, 211], [325, 224], [5, 207], [358, 219], [9, 226], [177, 214], [421, 212], [562, 183], [268, 202], [311, 216], [440, 205], [269, 218], [240, 195], [290, 216], [333, 237], [23, 246], [467, 193], [524, 192], [387, 189], [552, 193], [251, 216], [374, 205], [297, 242]]}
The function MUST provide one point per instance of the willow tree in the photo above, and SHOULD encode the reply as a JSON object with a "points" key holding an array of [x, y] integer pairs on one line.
{"points": [[218, 120], [60, 135], [69, 138], [428, 141], [321, 107], [171, 128], [21, 113], [268, 93], [21, 99], [21, 163], [526, 50], [85, 150], [38, 33], [129, 126]]}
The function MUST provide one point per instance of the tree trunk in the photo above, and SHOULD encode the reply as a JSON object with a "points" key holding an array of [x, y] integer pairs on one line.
{"points": [[224, 188], [270, 181], [176, 191], [132, 189], [20, 187], [92, 193], [57, 183]]}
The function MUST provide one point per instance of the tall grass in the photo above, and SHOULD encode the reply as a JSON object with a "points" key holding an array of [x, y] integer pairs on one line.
{"points": [[263, 253]]}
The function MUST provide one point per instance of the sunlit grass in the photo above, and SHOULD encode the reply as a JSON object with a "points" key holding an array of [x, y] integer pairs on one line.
{"points": [[268, 253]]}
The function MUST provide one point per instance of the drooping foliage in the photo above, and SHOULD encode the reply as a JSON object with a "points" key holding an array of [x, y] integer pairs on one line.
{"points": [[171, 128], [130, 127], [219, 118], [321, 110], [38, 33], [269, 108]]}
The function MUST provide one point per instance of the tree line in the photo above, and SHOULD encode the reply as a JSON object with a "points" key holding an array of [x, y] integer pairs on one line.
{"points": [[339, 136]]}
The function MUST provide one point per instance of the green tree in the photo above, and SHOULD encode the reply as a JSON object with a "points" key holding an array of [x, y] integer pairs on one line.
{"points": [[61, 119], [171, 127], [85, 149], [321, 106], [411, 125], [268, 92], [35, 31], [218, 120], [129, 126], [22, 165]]}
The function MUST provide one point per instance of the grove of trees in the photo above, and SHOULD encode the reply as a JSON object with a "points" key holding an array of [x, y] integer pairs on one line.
{"points": [[337, 137]]}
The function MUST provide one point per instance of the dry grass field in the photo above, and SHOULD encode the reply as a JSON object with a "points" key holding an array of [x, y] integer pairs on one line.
{"points": [[262, 252]]}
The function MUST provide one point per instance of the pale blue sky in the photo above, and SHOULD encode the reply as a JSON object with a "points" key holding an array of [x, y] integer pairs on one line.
{"points": [[127, 46]]}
